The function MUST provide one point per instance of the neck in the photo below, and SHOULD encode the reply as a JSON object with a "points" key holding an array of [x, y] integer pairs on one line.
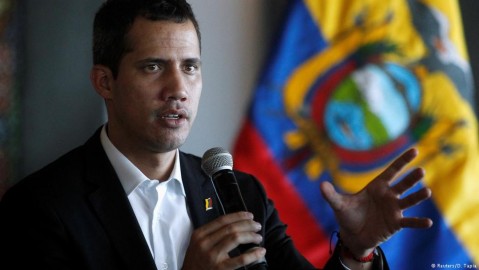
{"points": [[153, 164]]}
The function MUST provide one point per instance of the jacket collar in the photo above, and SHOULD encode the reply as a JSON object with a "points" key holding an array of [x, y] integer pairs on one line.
{"points": [[109, 201]]}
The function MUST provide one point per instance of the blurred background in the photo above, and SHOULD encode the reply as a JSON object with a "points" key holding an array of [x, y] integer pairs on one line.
{"points": [[48, 106]]}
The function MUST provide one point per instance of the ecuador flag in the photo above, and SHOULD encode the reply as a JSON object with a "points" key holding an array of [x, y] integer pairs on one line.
{"points": [[349, 86]]}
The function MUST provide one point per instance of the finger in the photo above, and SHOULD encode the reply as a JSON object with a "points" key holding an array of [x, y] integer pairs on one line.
{"points": [[415, 198], [409, 181], [332, 197], [227, 244], [222, 221], [416, 223], [253, 255], [398, 164], [231, 241], [208, 236], [235, 233]]}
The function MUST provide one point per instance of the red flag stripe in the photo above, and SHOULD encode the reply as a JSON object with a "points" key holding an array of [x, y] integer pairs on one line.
{"points": [[255, 158]]}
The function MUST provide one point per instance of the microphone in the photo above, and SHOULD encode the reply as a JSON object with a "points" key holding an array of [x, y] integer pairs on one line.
{"points": [[218, 164]]}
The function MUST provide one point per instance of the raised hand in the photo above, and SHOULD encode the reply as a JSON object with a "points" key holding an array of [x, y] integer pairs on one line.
{"points": [[210, 244], [375, 213]]}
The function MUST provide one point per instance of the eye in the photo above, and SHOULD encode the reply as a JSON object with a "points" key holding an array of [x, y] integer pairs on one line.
{"points": [[152, 68], [191, 68]]}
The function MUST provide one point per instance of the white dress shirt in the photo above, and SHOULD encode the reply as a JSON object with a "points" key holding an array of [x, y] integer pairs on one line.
{"points": [[160, 207]]}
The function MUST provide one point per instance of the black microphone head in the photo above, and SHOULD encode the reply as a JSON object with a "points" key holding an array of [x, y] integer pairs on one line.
{"points": [[216, 159]]}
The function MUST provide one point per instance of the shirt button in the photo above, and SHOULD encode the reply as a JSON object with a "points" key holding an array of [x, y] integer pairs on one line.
{"points": [[164, 266]]}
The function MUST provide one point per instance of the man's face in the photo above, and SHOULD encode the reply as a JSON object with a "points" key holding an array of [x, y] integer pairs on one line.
{"points": [[156, 93]]}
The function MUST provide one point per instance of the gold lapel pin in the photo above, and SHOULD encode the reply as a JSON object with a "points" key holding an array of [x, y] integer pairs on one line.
{"points": [[208, 204]]}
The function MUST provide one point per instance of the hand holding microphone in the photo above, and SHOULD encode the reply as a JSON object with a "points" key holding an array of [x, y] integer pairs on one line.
{"points": [[210, 244], [218, 164]]}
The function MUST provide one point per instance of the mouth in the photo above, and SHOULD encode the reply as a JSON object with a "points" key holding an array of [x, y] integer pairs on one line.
{"points": [[173, 118]]}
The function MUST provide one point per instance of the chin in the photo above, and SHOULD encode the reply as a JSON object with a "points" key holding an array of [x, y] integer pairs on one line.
{"points": [[167, 145]]}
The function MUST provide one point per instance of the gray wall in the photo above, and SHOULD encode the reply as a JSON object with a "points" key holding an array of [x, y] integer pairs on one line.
{"points": [[61, 109]]}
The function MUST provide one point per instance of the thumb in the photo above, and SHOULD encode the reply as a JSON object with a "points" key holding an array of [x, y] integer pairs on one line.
{"points": [[330, 195]]}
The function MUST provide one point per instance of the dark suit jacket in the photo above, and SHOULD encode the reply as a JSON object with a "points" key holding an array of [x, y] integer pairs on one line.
{"points": [[74, 214]]}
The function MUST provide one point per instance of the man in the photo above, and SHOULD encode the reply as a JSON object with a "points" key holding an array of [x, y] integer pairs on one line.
{"points": [[129, 199]]}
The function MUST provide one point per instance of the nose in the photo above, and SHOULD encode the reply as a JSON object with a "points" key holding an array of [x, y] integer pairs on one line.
{"points": [[175, 87]]}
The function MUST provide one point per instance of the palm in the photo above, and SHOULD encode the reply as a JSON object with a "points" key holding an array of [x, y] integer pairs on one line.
{"points": [[375, 213]]}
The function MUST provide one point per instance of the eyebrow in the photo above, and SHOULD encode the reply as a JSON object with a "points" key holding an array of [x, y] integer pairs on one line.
{"points": [[164, 61], [193, 60]]}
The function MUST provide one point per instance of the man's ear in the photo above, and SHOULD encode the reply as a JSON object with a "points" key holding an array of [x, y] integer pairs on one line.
{"points": [[102, 80]]}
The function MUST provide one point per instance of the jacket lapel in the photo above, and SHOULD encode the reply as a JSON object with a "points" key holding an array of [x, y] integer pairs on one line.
{"points": [[114, 211], [201, 198]]}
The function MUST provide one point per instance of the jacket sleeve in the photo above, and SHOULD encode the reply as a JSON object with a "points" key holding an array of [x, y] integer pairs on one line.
{"points": [[280, 250]]}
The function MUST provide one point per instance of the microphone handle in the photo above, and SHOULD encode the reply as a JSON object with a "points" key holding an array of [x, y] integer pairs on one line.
{"points": [[258, 266], [231, 201], [228, 192]]}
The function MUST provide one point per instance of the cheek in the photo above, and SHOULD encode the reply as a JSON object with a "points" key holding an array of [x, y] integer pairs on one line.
{"points": [[196, 92], [130, 102], [195, 99], [131, 93]]}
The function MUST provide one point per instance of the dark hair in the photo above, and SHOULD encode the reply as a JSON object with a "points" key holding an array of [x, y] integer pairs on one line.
{"points": [[115, 18]]}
